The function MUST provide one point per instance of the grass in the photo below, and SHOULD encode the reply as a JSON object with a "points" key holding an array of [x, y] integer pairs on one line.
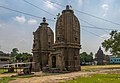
{"points": [[100, 66], [7, 79], [97, 67], [6, 71], [1, 71], [97, 78]]}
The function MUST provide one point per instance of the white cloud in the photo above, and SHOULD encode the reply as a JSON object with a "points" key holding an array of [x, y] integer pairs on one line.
{"points": [[20, 19], [21, 42], [105, 36], [32, 21], [80, 2], [0, 25], [105, 8], [49, 4]]}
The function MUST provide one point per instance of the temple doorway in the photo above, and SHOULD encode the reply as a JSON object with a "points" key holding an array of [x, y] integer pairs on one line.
{"points": [[53, 61]]}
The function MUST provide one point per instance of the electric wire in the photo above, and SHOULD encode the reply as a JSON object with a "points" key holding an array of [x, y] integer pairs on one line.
{"points": [[38, 7], [24, 13], [93, 33], [54, 21], [86, 13], [97, 17], [92, 24], [96, 27]]}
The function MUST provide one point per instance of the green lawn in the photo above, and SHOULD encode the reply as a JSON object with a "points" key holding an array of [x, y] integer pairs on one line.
{"points": [[6, 79], [98, 78], [1, 71]]}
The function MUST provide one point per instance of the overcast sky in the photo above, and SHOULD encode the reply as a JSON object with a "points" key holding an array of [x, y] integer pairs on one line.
{"points": [[16, 29]]}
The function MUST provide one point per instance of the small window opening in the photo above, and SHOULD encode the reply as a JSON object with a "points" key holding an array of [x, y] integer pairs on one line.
{"points": [[75, 39]]}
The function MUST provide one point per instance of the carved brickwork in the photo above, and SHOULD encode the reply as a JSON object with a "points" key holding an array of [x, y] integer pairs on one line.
{"points": [[63, 55], [67, 44], [43, 41]]}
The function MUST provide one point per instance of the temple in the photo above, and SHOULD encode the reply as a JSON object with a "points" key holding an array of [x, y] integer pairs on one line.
{"points": [[99, 57], [63, 54], [43, 41]]}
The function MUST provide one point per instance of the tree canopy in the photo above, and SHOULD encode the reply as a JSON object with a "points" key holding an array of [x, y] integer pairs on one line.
{"points": [[84, 57], [113, 43], [14, 52], [19, 57]]}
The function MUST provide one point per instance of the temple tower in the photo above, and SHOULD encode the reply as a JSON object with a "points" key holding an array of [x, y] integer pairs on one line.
{"points": [[67, 43], [43, 41], [99, 56]]}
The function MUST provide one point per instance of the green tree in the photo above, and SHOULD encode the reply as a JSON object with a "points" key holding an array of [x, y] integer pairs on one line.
{"points": [[91, 57], [19, 57], [113, 43], [84, 57], [14, 53], [25, 56]]}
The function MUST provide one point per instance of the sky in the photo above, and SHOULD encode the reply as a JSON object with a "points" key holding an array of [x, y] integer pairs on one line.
{"points": [[16, 29]]}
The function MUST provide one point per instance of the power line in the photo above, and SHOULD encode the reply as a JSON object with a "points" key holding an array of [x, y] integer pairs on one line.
{"points": [[93, 33], [97, 17], [88, 14], [91, 24], [52, 20], [81, 19], [24, 13], [96, 27], [38, 7]]}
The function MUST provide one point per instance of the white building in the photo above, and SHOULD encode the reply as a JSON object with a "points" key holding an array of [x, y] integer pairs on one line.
{"points": [[4, 58]]}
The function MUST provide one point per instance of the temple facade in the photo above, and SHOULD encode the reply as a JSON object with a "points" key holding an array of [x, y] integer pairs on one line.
{"points": [[63, 54], [43, 41], [67, 45]]}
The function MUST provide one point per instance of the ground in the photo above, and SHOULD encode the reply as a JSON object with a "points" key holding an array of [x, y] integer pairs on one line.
{"points": [[87, 71]]}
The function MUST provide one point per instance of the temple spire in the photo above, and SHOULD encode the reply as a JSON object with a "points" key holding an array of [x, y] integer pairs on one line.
{"points": [[44, 22], [67, 7], [44, 19]]}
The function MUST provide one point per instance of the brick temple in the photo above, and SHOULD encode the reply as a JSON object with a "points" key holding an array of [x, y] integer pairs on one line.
{"points": [[63, 54]]}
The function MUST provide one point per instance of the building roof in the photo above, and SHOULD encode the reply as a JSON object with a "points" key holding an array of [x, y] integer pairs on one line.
{"points": [[3, 54], [1, 51]]}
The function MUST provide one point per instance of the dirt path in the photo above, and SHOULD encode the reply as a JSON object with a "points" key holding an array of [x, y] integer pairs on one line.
{"points": [[57, 78], [7, 75]]}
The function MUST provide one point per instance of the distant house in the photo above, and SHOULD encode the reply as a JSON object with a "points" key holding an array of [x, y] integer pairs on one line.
{"points": [[114, 60], [4, 58]]}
